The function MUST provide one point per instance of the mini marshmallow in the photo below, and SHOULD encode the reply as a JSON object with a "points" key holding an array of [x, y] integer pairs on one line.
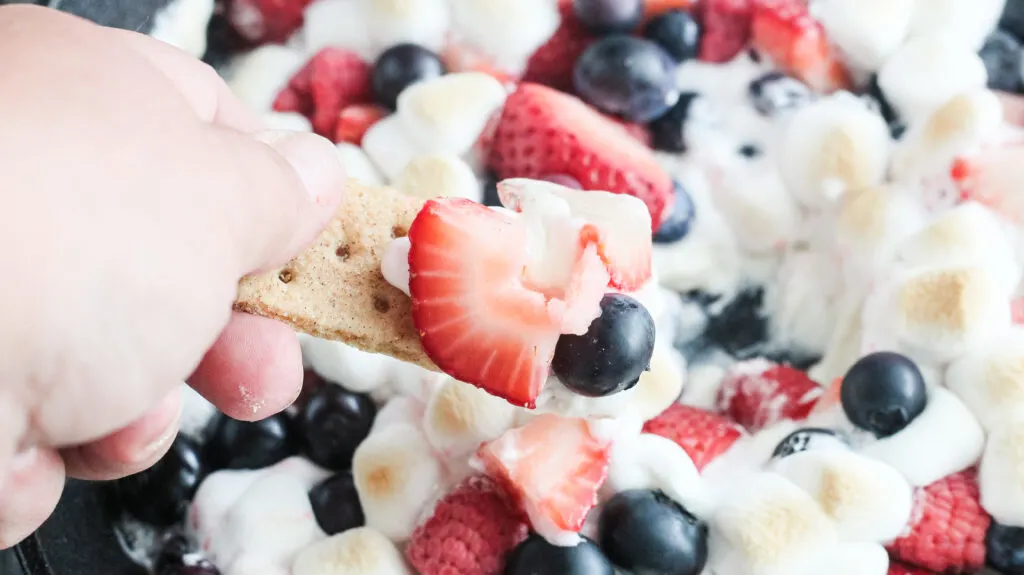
{"points": [[388, 144], [830, 146], [183, 24], [764, 217], [446, 115], [459, 417], [1001, 476], [945, 438], [990, 380], [803, 300], [258, 76], [964, 21], [352, 368], [927, 71], [358, 165], [866, 31], [853, 559], [660, 386], [337, 23], [648, 461], [399, 410], [435, 176], [218, 492], [768, 526], [287, 121], [868, 500], [394, 265], [870, 225], [702, 384], [508, 31], [359, 551], [391, 22], [749, 454], [396, 475]]}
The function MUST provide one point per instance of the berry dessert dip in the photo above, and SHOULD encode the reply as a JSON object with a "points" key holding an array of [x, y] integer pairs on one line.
{"points": [[680, 287]]}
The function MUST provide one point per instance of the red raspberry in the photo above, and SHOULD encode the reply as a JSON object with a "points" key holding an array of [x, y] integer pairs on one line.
{"points": [[702, 434], [266, 20], [757, 394], [727, 28], [331, 80], [355, 120], [552, 63]]}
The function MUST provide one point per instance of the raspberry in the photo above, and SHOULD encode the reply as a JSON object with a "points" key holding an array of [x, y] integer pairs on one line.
{"points": [[726, 29], [332, 80], [702, 434]]}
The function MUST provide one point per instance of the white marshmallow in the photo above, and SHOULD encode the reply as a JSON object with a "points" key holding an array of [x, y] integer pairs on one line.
{"points": [[360, 551], [990, 380], [1001, 476], [833, 145], [844, 345], [853, 559], [764, 217], [394, 265], [659, 387], [216, 495], [399, 410], [432, 176], [648, 461], [288, 121], [749, 454], [868, 500], [446, 115], [353, 369], [702, 384], [768, 527], [964, 21], [870, 225], [391, 22], [183, 24], [460, 416], [258, 76], [337, 23], [358, 165], [389, 146], [927, 71], [508, 31], [866, 31], [803, 300], [945, 438], [396, 475]]}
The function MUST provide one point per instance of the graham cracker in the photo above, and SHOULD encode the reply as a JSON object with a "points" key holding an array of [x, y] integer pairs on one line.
{"points": [[334, 289]]}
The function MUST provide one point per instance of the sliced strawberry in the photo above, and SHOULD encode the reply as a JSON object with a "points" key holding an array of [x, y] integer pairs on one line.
{"points": [[355, 120], [758, 393], [552, 63], [726, 28], [543, 131], [482, 317], [991, 178], [785, 31], [331, 80], [554, 465], [702, 435], [619, 226], [638, 132]]}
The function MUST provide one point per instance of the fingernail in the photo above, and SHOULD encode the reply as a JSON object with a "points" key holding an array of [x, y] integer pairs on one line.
{"points": [[314, 158]]}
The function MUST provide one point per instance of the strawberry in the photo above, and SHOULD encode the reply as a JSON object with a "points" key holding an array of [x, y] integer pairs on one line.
{"points": [[470, 531], [726, 28], [1017, 310], [543, 131], [459, 58], [266, 20], [552, 64], [480, 315], [903, 569], [948, 532], [638, 132], [554, 465], [331, 80], [757, 394], [702, 434], [355, 120], [785, 31]]}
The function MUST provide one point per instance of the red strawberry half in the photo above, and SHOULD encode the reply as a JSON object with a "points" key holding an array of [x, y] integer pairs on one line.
{"points": [[482, 317], [758, 393], [552, 63], [543, 131], [331, 80], [948, 535], [726, 28], [266, 20], [785, 31], [702, 434], [470, 531], [554, 465]]}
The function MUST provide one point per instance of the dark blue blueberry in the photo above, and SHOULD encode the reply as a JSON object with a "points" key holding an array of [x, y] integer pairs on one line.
{"points": [[233, 444], [668, 131], [160, 494], [333, 423], [677, 32], [1001, 54], [536, 556], [749, 151], [336, 504], [1012, 19], [490, 185], [679, 220], [610, 357], [401, 66], [883, 392], [609, 16], [179, 556], [807, 439], [644, 531], [628, 76], [775, 92], [740, 327], [1004, 549]]}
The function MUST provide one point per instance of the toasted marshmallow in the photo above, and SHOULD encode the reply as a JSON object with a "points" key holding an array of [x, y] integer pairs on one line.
{"points": [[459, 417], [964, 21], [258, 76], [353, 369], [358, 165], [868, 500], [990, 380], [433, 176], [833, 145], [768, 526], [399, 410], [927, 71], [871, 223], [508, 31], [446, 115], [1001, 477], [648, 461], [945, 438], [396, 475], [360, 551], [391, 22], [390, 146], [848, 558], [337, 23], [866, 31]]}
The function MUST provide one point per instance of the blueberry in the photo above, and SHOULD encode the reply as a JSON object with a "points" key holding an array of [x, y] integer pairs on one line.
{"points": [[668, 132], [609, 16], [628, 76], [179, 556], [610, 357], [233, 444], [679, 220], [490, 185], [807, 439], [160, 494], [535, 556], [677, 32], [1012, 19], [336, 504], [644, 531], [883, 392], [775, 92], [1001, 54], [739, 327], [749, 151], [333, 423], [401, 66], [1004, 546]]}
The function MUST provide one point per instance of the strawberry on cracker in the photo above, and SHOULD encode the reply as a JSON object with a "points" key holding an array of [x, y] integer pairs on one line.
{"points": [[758, 393], [702, 434]]}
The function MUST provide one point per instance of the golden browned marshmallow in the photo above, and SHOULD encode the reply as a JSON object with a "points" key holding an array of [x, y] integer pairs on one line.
{"points": [[359, 551], [990, 380], [431, 176], [460, 417]]}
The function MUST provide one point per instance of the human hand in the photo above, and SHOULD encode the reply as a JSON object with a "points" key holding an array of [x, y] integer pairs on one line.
{"points": [[136, 192]]}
